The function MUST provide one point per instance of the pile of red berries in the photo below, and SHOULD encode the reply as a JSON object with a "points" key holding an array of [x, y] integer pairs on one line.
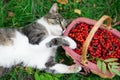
{"points": [[104, 44]]}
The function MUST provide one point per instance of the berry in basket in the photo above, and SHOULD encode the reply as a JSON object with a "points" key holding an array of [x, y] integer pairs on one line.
{"points": [[104, 44], [98, 45]]}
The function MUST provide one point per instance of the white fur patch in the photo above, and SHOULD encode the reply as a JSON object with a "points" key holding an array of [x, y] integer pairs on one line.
{"points": [[61, 68], [52, 29], [22, 51], [72, 43]]}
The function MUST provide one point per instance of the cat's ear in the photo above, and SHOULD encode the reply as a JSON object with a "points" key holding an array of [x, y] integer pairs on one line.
{"points": [[54, 8]]}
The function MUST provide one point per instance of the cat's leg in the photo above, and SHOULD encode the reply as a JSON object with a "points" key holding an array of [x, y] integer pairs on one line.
{"points": [[59, 41], [54, 67], [62, 68]]}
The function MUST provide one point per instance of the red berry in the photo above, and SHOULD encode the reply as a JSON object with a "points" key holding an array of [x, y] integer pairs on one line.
{"points": [[104, 44]]}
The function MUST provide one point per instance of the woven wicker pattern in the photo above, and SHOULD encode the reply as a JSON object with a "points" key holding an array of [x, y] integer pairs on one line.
{"points": [[82, 59]]}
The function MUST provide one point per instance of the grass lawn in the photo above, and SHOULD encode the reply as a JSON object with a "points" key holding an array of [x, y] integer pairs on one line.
{"points": [[17, 13]]}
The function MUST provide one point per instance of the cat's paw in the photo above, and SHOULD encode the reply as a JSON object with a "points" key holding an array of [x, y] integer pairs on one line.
{"points": [[72, 43], [75, 68]]}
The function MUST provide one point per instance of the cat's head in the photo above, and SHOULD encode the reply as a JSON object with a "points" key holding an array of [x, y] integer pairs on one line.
{"points": [[55, 21]]}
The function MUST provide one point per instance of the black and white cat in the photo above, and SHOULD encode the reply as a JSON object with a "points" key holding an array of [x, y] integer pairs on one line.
{"points": [[35, 45]]}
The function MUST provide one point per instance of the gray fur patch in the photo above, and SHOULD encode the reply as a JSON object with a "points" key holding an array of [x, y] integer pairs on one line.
{"points": [[35, 32], [56, 18], [57, 42], [6, 35], [51, 62]]}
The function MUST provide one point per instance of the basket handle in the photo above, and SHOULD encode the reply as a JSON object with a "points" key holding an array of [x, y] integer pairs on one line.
{"points": [[84, 60]]}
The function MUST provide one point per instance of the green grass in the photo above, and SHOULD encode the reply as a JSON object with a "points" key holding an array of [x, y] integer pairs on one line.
{"points": [[26, 11]]}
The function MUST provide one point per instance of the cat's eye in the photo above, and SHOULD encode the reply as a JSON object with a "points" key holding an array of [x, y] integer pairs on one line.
{"points": [[58, 21]]}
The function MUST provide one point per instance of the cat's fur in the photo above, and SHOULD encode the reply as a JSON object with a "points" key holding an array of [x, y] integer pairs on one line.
{"points": [[36, 44]]}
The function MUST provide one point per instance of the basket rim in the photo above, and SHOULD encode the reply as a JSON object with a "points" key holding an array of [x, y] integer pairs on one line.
{"points": [[72, 53]]}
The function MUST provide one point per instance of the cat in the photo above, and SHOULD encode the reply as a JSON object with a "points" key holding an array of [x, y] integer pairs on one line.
{"points": [[35, 45]]}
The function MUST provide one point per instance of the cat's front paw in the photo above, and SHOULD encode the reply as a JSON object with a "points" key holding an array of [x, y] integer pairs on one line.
{"points": [[72, 43]]}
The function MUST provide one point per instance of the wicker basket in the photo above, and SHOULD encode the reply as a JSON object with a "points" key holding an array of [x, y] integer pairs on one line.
{"points": [[81, 59]]}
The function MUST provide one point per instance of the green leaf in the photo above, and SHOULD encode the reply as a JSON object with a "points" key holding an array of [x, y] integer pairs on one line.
{"points": [[115, 67], [36, 76], [109, 67], [58, 75], [29, 70], [99, 64], [55, 78], [103, 67], [116, 71], [111, 60], [114, 64], [48, 76], [42, 77]]}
